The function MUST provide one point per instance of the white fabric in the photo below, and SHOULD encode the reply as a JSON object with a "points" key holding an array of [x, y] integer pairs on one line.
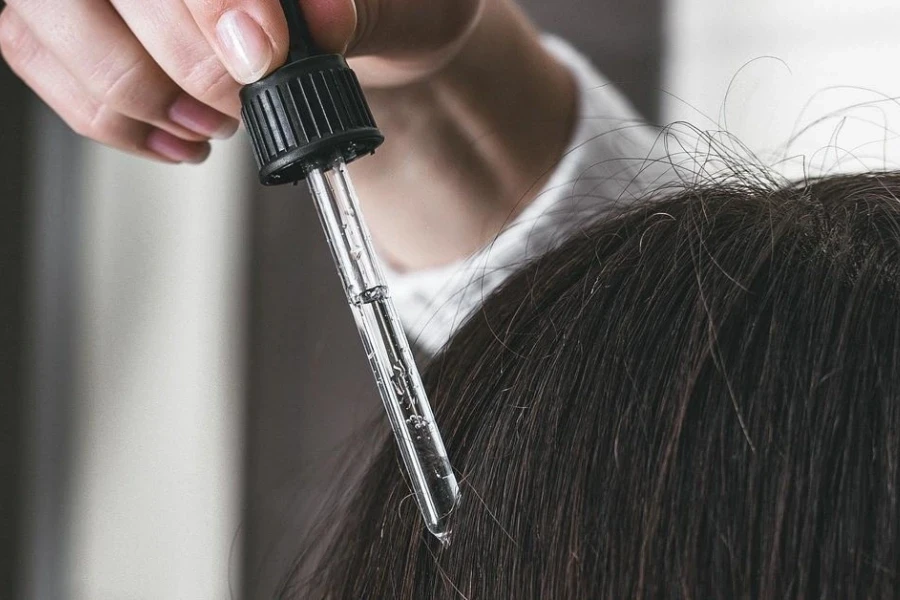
{"points": [[613, 157]]}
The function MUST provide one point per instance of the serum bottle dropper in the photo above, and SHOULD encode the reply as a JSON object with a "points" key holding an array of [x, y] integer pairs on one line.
{"points": [[307, 120]]}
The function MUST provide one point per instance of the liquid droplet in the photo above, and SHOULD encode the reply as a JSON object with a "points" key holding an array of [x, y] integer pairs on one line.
{"points": [[418, 423]]}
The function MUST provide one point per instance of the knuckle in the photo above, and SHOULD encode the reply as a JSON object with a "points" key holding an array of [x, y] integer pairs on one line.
{"points": [[17, 45], [80, 125], [117, 85], [84, 116], [85, 122], [206, 79], [102, 124]]}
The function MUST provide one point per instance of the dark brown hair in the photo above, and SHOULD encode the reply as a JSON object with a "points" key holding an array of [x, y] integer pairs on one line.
{"points": [[699, 398]]}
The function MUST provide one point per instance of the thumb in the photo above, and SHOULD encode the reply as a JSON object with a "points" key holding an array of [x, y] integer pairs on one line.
{"points": [[250, 37]]}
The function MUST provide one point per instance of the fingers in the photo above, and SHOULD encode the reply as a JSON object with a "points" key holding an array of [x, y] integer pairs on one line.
{"points": [[251, 39], [45, 74], [94, 44], [394, 42], [391, 29], [333, 23], [249, 36], [176, 65], [182, 52]]}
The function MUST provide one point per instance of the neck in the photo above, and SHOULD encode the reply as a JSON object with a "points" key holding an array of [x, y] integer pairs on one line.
{"points": [[487, 129]]}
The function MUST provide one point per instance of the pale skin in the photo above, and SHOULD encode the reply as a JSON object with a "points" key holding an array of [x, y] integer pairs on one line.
{"points": [[475, 111]]}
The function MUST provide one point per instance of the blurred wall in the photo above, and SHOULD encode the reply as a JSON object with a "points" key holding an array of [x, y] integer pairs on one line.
{"points": [[54, 276], [155, 495], [121, 420], [810, 86]]}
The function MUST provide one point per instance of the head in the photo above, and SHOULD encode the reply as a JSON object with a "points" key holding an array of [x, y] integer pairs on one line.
{"points": [[698, 398]]}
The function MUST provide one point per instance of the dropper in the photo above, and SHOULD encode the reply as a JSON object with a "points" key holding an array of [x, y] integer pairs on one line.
{"points": [[307, 120]]}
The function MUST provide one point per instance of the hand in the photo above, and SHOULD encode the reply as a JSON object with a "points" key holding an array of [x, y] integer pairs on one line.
{"points": [[474, 110], [160, 78]]}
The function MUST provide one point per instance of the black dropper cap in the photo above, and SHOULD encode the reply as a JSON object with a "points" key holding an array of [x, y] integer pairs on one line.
{"points": [[306, 112]]}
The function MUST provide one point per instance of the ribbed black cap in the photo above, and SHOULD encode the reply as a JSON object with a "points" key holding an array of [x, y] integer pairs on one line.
{"points": [[303, 114]]}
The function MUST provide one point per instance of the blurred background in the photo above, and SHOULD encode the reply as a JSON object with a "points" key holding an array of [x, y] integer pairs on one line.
{"points": [[178, 368]]}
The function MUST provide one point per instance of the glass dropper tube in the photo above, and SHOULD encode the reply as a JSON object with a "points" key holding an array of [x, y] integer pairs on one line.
{"points": [[409, 412]]}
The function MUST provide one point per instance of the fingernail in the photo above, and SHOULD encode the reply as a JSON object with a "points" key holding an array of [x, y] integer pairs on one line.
{"points": [[247, 49], [176, 149], [200, 118]]}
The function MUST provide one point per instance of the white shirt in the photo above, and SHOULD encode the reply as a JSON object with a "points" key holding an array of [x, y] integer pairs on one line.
{"points": [[614, 157]]}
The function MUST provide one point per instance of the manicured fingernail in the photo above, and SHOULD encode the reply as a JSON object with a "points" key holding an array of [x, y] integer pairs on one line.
{"points": [[176, 149], [247, 49], [200, 118]]}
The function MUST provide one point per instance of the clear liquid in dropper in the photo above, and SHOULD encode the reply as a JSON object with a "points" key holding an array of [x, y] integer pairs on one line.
{"points": [[411, 418], [399, 384]]}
